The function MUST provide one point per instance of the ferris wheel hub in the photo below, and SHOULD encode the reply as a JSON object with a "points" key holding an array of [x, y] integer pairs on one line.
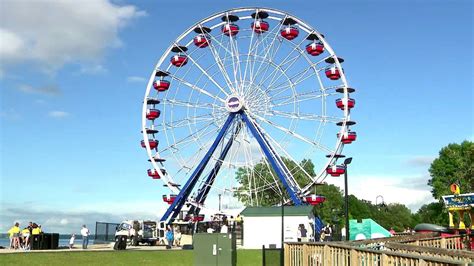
{"points": [[234, 103]]}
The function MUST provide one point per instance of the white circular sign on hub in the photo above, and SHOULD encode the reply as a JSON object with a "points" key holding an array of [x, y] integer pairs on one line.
{"points": [[234, 104]]}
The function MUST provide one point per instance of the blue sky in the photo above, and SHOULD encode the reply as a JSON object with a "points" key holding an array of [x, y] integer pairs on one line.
{"points": [[72, 87]]}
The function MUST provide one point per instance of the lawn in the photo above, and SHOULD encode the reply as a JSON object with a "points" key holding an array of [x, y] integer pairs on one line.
{"points": [[161, 257]]}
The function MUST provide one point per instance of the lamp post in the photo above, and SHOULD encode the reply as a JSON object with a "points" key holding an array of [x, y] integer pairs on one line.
{"points": [[282, 228], [346, 197], [219, 203]]}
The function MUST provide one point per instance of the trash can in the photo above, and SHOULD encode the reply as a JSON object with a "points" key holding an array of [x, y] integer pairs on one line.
{"points": [[214, 249]]}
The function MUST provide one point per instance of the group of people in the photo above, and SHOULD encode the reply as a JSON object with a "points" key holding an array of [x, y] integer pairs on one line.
{"points": [[173, 236], [21, 238]]}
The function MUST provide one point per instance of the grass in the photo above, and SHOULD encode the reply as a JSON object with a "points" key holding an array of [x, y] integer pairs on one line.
{"points": [[159, 257]]}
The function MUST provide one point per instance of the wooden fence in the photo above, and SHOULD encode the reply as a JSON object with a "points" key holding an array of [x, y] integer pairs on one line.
{"points": [[408, 251]]}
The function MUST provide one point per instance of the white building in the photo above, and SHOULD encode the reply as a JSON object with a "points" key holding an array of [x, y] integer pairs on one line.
{"points": [[262, 225]]}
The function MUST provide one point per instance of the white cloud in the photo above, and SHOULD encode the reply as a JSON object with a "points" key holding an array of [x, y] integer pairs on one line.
{"points": [[58, 114], [50, 33], [421, 161], [393, 189], [93, 69], [52, 90], [136, 79]]}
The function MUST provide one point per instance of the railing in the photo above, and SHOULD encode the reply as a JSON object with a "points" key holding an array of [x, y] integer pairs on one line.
{"points": [[449, 242], [431, 251], [315, 254]]}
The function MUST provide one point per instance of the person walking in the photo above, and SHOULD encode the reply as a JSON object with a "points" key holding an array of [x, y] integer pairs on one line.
{"points": [[85, 236], [14, 234], [169, 236]]}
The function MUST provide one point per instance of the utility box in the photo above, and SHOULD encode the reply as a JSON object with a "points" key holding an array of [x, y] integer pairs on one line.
{"points": [[214, 249]]}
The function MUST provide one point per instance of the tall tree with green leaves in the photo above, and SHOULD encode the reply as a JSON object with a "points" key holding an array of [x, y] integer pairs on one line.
{"points": [[264, 177], [455, 164]]}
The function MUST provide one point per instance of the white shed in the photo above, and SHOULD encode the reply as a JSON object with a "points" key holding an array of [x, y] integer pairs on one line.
{"points": [[262, 225]]}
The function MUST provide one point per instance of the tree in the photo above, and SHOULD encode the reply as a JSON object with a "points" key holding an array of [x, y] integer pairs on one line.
{"points": [[433, 213], [454, 164], [262, 176]]}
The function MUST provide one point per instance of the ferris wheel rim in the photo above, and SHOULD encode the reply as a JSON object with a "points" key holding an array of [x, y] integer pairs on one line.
{"points": [[168, 180]]}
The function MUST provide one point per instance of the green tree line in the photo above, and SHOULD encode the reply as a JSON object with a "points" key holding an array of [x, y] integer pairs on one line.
{"points": [[455, 164]]}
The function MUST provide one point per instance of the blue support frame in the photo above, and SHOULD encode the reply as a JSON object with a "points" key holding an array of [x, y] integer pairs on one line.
{"points": [[206, 187], [273, 158], [180, 199]]}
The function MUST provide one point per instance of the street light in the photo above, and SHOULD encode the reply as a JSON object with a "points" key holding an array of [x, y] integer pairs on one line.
{"points": [[346, 196]]}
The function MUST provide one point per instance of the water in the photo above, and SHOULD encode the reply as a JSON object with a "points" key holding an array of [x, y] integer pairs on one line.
{"points": [[63, 242]]}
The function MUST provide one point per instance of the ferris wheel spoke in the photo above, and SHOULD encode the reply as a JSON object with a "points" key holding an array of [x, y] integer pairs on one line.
{"points": [[249, 55], [276, 144], [300, 77], [196, 88], [291, 133], [269, 62], [218, 60], [298, 98], [227, 51], [207, 75], [289, 61], [271, 45], [187, 121], [193, 105], [303, 116], [191, 137]]}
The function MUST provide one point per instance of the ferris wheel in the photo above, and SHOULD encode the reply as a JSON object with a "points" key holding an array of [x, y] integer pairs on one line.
{"points": [[244, 105]]}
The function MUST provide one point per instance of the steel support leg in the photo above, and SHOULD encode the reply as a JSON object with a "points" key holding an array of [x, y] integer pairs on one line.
{"points": [[178, 203], [273, 158]]}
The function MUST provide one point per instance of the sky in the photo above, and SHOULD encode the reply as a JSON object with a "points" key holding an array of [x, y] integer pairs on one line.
{"points": [[73, 75]]}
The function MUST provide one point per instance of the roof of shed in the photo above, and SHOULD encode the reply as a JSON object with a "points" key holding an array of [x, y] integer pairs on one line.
{"points": [[276, 211]]}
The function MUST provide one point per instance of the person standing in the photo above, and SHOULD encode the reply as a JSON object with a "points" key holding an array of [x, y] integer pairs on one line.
{"points": [[169, 236], [14, 234], [71, 241], [85, 236], [303, 233]]}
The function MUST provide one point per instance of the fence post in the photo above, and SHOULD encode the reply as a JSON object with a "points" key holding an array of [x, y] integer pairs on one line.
{"points": [[287, 254], [305, 255], [326, 255], [354, 257], [443, 242], [384, 260]]}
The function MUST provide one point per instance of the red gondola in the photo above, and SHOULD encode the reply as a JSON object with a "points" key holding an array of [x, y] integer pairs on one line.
{"points": [[230, 29], [152, 114], [161, 85], [348, 137], [342, 102], [202, 40], [336, 170], [179, 60], [198, 218], [153, 174], [315, 199], [290, 32], [315, 48], [152, 142], [333, 73], [260, 26], [169, 198]]}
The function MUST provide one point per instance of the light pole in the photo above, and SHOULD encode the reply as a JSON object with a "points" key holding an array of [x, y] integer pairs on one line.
{"points": [[282, 229], [219, 203], [346, 197]]}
